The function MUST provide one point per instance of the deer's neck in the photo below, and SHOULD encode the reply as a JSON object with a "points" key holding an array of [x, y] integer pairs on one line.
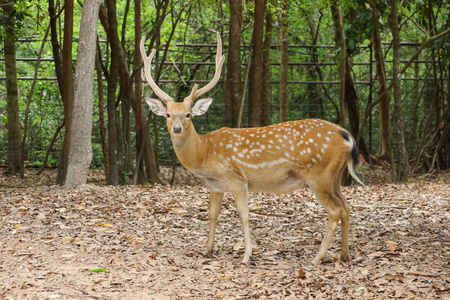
{"points": [[189, 148]]}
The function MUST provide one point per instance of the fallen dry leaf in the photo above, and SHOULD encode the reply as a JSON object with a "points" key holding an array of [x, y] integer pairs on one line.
{"points": [[106, 225], [151, 239]]}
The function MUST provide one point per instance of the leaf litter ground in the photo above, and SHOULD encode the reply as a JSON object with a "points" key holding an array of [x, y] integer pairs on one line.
{"points": [[145, 242]]}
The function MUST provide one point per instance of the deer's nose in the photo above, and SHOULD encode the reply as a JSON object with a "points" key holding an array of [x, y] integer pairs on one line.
{"points": [[177, 129]]}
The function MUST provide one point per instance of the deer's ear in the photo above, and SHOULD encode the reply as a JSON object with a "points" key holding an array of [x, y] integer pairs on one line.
{"points": [[156, 106], [201, 106]]}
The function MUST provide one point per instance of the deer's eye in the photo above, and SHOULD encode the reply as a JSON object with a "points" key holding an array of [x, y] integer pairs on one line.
{"points": [[168, 115], [188, 116]]}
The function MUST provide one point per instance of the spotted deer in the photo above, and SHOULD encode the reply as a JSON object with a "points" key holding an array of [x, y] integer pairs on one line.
{"points": [[273, 159]]}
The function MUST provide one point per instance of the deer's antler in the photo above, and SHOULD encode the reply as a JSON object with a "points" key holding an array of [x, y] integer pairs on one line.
{"points": [[147, 64]]}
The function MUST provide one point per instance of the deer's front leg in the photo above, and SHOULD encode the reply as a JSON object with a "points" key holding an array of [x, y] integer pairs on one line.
{"points": [[241, 199], [215, 202]]}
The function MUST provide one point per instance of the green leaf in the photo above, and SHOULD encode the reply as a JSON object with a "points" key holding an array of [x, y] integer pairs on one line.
{"points": [[98, 269]]}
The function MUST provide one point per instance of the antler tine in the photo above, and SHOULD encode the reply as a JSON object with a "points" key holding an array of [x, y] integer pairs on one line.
{"points": [[147, 64], [219, 63]]}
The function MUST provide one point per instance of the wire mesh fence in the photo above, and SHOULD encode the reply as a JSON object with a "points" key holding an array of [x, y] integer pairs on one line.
{"points": [[313, 91]]}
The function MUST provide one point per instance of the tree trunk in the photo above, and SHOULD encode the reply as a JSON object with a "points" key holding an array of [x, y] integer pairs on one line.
{"points": [[342, 67], [29, 101], [55, 45], [80, 147], [113, 39], [402, 153], [350, 96], [284, 62], [256, 65], [385, 132], [139, 116], [233, 90], [351, 100], [12, 92], [67, 89], [144, 146], [315, 100], [101, 115], [265, 103]]}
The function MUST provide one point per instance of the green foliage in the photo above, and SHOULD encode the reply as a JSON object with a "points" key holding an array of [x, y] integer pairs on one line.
{"points": [[310, 23]]}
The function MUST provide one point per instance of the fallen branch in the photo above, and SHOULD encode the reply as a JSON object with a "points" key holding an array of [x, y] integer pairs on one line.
{"points": [[84, 296], [86, 293], [379, 206], [308, 270], [270, 214], [417, 273]]}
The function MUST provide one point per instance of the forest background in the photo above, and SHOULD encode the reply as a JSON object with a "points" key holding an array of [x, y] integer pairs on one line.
{"points": [[379, 68]]}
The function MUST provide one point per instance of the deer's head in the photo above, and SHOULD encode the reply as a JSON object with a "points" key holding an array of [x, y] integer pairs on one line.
{"points": [[180, 114]]}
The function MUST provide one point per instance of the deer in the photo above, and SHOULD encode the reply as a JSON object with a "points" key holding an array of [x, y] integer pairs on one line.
{"points": [[276, 159]]}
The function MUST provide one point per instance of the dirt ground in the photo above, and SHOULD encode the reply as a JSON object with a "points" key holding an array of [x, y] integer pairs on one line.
{"points": [[149, 240]]}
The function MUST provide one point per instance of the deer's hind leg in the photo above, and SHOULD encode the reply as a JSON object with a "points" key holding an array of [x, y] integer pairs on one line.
{"points": [[345, 223], [327, 197]]}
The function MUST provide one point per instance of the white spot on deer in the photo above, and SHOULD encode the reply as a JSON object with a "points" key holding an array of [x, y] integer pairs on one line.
{"points": [[240, 154], [325, 146], [263, 147], [319, 156], [311, 141], [234, 149], [327, 139], [228, 146], [314, 160], [309, 150], [322, 150], [292, 148], [318, 134]]}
